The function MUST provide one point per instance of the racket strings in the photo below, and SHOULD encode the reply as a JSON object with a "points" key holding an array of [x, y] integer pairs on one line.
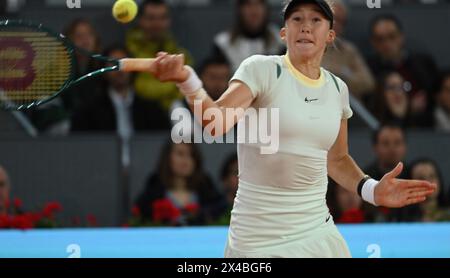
{"points": [[34, 65]]}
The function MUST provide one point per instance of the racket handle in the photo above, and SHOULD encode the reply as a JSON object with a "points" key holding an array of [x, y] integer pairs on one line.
{"points": [[136, 64]]}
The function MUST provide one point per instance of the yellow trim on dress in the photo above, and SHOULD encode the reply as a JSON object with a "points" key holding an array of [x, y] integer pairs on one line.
{"points": [[305, 80]]}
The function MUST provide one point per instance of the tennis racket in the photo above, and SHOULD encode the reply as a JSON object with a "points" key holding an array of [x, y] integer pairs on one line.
{"points": [[37, 64]]}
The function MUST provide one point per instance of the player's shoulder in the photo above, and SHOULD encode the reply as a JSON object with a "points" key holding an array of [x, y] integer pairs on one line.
{"points": [[336, 80], [268, 67], [263, 59]]}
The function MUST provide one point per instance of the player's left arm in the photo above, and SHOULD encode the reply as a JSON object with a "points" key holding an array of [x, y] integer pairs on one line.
{"points": [[388, 192]]}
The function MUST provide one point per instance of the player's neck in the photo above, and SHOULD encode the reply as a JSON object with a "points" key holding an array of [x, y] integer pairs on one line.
{"points": [[308, 67]]}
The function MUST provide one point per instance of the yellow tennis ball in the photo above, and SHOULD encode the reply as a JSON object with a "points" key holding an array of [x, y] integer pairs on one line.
{"points": [[125, 11]]}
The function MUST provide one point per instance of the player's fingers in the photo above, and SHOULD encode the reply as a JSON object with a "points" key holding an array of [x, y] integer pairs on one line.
{"points": [[176, 63], [157, 59], [416, 184], [161, 53], [414, 200], [418, 194], [395, 172], [180, 58], [166, 68], [155, 66], [167, 65]]}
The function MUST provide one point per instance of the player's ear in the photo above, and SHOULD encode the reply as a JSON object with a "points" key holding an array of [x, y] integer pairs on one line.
{"points": [[331, 36], [283, 34]]}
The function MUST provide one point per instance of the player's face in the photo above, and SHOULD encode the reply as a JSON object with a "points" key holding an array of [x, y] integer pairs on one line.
{"points": [[155, 21], [426, 171], [307, 32], [182, 162]]}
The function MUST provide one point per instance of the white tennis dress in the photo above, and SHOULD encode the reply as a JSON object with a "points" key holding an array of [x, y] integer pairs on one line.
{"points": [[280, 208]]}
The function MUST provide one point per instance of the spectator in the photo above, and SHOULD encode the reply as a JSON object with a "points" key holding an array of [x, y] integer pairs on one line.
{"points": [[391, 101], [442, 111], [118, 109], [251, 34], [83, 34], [54, 117], [180, 193], [150, 37], [435, 208], [230, 180], [5, 188], [345, 60], [389, 144], [419, 70], [215, 73]]}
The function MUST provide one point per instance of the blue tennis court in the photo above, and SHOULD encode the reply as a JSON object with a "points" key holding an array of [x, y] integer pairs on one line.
{"points": [[385, 241]]}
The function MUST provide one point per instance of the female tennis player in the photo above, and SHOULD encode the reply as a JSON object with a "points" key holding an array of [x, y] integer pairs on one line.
{"points": [[280, 208]]}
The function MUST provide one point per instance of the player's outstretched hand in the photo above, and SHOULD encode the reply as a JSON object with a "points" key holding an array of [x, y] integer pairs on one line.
{"points": [[394, 193]]}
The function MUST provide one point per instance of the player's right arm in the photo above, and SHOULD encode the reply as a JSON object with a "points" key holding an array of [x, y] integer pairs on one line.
{"points": [[230, 106]]}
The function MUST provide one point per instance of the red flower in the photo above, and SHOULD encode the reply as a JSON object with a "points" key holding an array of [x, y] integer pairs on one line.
{"points": [[51, 208], [17, 203], [23, 221], [92, 220], [352, 216], [34, 217], [7, 203], [5, 221], [164, 210], [136, 211], [192, 208], [125, 226]]}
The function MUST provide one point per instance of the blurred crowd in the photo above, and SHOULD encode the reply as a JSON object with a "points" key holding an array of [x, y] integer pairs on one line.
{"points": [[401, 86], [395, 82], [179, 192]]}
